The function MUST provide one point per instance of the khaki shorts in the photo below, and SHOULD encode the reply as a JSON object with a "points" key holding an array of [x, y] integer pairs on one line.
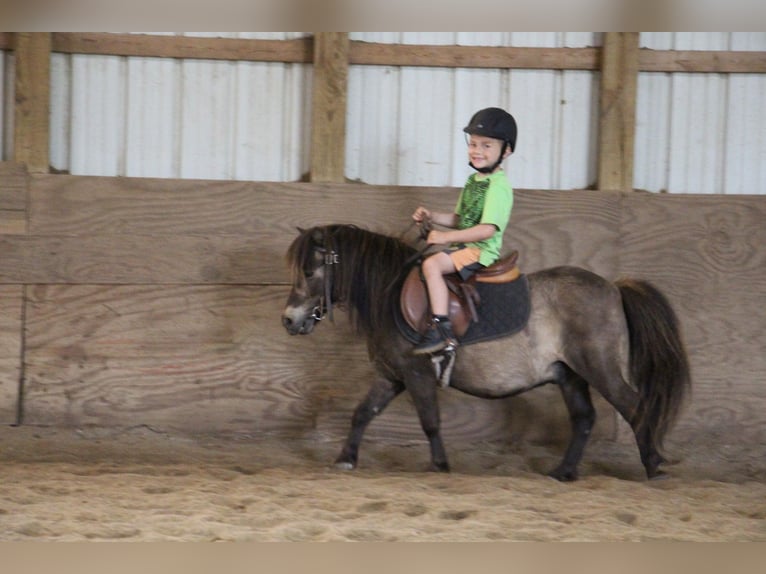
{"points": [[466, 260]]}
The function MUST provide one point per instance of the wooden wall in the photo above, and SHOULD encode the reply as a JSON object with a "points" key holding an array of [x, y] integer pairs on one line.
{"points": [[138, 301]]}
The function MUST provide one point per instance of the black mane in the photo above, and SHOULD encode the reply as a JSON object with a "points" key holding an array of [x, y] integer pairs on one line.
{"points": [[369, 272]]}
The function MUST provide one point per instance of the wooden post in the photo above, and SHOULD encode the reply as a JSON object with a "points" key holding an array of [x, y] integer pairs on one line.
{"points": [[617, 114], [32, 110], [328, 116]]}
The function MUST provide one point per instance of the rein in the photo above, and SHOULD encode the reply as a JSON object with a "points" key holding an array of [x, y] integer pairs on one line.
{"points": [[425, 228]]}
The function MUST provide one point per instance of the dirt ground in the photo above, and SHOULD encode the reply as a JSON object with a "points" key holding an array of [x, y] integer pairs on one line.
{"points": [[144, 485]]}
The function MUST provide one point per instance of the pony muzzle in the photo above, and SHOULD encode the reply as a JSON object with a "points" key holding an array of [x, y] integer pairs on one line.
{"points": [[297, 323]]}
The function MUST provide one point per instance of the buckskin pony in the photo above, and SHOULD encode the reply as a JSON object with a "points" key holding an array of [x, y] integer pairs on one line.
{"points": [[621, 338]]}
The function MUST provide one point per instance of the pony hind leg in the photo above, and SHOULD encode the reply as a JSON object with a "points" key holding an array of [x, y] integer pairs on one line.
{"points": [[651, 457], [582, 416], [625, 400], [382, 392]]}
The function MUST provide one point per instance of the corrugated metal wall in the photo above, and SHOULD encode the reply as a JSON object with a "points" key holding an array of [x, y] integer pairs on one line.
{"points": [[695, 133], [701, 133], [187, 119], [405, 124]]}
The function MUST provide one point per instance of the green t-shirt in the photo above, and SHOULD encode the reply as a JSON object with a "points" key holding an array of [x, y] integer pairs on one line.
{"points": [[487, 200]]}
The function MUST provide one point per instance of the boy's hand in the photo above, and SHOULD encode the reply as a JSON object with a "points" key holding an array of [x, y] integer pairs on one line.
{"points": [[421, 214], [423, 218]]}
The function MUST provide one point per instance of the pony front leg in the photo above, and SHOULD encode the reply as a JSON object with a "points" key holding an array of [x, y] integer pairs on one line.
{"points": [[380, 394], [423, 390]]}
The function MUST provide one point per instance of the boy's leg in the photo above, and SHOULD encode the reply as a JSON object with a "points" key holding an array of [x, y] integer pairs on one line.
{"points": [[434, 269], [439, 335]]}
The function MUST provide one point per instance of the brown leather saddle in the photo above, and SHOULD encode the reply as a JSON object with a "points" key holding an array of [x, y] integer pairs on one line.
{"points": [[463, 298]]}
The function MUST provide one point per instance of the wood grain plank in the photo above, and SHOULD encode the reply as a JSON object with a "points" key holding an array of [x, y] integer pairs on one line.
{"points": [[13, 198], [216, 359], [12, 222], [11, 303], [13, 186], [706, 253], [551, 228], [104, 237], [140, 259], [79, 205], [188, 251], [202, 357]]}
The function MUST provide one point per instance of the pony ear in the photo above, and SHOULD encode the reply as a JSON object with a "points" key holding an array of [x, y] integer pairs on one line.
{"points": [[317, 236], [301, 231]]}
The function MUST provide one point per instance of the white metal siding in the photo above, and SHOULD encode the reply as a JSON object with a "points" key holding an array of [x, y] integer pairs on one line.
{"points": [[701, 133], [745, 137], [695, 133], [205, 119], [405, 124]]}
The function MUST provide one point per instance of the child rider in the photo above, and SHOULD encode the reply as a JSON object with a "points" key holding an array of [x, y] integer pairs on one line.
{"points": [[475, 234]]}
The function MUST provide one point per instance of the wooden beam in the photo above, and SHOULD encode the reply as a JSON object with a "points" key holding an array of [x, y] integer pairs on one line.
{"points": [[147, 45], [617, 114], [32, 104], [702, 61], [365, 53], [328, 117], [381, 54], [300, 51]]}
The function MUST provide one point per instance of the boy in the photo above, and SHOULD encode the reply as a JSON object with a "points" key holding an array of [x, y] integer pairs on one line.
{"points": [[476, 227]]}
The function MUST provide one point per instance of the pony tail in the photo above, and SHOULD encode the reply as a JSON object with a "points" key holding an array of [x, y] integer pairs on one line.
{"points": [[659, 366]]}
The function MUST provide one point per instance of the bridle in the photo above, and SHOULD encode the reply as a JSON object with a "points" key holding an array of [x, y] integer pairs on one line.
{"points": [[330, 259]]}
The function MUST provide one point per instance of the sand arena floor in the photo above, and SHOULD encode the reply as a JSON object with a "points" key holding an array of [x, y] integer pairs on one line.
{"points": [[139, 484]]}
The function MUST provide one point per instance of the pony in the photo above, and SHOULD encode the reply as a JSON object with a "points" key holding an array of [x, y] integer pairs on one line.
{"points": [[622, 338]]}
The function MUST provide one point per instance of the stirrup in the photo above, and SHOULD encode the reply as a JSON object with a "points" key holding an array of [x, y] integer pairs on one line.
{"points": [[436, 340], [437, 346], [443, 364]]}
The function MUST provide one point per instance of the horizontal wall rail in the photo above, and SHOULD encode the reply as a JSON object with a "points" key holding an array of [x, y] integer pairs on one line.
{"points": [[382, 54]]}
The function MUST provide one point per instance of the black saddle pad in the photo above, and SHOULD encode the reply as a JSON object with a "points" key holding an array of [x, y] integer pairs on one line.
{"points": [[503, 311]]}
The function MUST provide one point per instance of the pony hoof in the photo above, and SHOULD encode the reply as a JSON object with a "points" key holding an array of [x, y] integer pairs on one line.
{"points": [[659, 475], [345, 465], [441, 467], [564, 475]]}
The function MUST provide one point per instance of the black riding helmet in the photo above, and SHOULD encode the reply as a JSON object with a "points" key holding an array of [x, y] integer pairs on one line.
{"points": [[493, 123]]}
